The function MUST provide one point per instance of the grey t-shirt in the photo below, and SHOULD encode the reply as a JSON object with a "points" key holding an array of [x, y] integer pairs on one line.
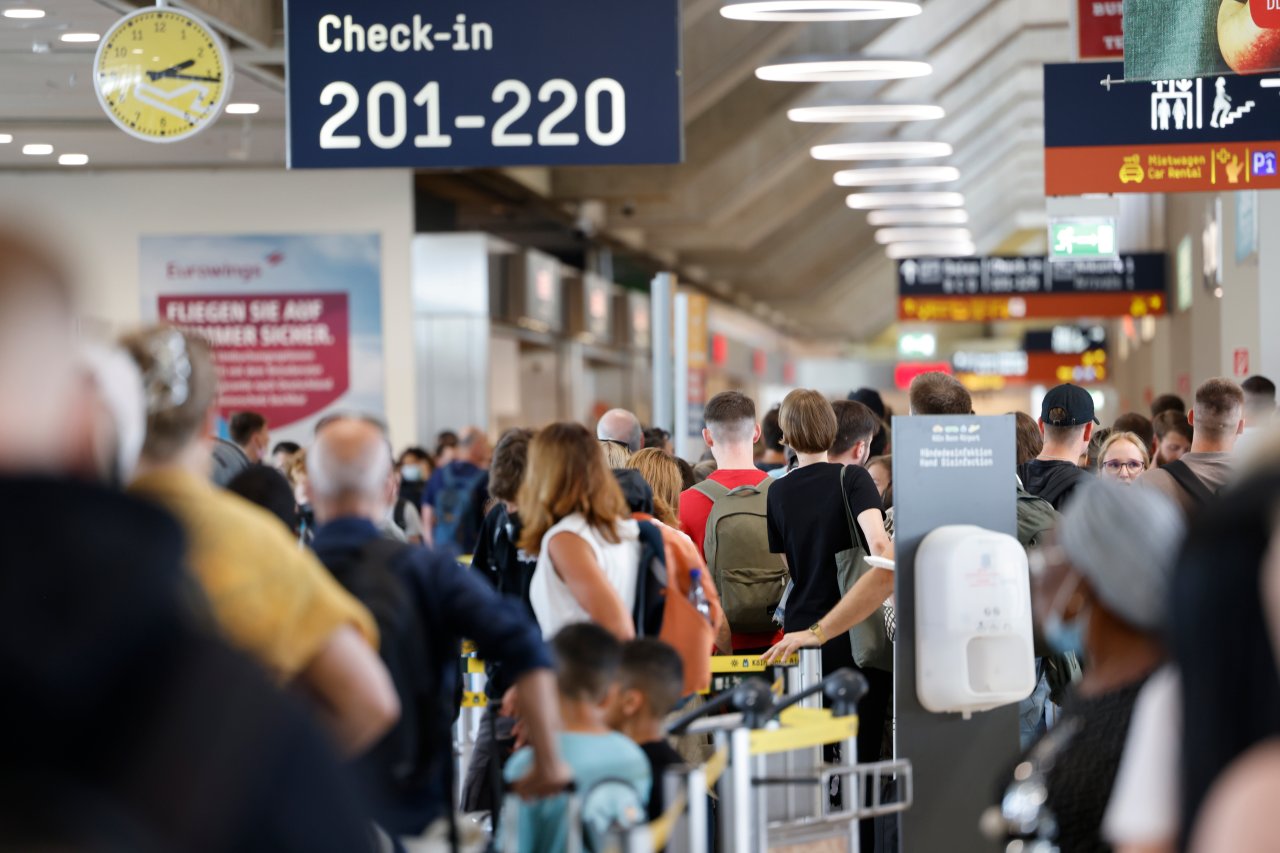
{"points": [[1213, 469]]}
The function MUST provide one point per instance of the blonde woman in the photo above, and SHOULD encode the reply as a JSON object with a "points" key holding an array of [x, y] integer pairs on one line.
{"points": [[1123, 457], [662, 474], [578, 523]]}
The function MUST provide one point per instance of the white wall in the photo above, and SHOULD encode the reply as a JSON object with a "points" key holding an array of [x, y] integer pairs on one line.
{"points": [[96, 220]]}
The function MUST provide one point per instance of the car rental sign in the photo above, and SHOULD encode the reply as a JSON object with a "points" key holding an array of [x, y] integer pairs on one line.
{"points": [[374, 83], [1205, 134]]}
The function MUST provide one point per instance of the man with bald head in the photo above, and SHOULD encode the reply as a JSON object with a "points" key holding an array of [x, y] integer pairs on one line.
{"points": [[621, 427], [424, 604]]}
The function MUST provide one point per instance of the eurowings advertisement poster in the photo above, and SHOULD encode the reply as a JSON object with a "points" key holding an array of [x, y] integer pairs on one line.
{"points": [[295, 321]]}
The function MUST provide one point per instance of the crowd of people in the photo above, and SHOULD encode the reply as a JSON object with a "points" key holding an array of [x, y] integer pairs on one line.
{"points": [[216, 642]]}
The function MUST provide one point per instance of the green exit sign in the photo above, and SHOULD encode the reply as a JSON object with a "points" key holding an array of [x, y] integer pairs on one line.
{"points": [[1076, 239]]}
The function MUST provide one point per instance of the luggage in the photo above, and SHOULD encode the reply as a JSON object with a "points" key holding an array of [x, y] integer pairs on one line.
{"points": [[749, 578], [455, 511]]}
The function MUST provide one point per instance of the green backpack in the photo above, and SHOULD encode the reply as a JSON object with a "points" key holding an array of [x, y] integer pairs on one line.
{"points": [[749, 578], [1036, 517]]}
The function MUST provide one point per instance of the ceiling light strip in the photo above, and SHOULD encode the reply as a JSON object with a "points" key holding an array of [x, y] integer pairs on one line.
{"points": [[865, 113], [899, 150], [924, 216], [843, 70], [819, 10], [895, 175], [876, 200]]}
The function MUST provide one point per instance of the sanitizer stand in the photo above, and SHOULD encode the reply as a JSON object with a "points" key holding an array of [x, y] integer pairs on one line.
{"points": [[947, 471]]}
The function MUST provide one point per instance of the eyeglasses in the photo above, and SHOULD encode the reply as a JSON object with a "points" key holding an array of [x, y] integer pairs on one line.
{"points": [[1115, 466]]}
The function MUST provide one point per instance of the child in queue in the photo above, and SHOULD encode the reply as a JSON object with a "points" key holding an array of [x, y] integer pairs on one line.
{"points": [[649, 690], [611, 774]]}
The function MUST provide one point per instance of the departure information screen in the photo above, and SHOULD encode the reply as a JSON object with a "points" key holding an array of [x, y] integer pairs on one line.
{"points": [[392, 83]]}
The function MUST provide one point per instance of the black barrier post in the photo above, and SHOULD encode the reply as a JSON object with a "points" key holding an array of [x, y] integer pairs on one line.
{"points": [[948, 470]]}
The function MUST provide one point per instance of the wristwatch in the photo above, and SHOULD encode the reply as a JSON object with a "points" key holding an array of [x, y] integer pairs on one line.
{"points": [[816, 630]]}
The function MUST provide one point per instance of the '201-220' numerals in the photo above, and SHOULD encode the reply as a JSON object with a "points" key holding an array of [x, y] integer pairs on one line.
{"points": [[389, 95]]}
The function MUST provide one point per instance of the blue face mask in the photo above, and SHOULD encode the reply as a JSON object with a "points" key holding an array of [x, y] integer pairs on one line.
{"points": [[410, 473], [1065, 637]]}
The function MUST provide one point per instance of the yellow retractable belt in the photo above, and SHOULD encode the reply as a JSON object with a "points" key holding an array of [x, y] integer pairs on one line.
{"points": [[803, 728], [472, 699]]}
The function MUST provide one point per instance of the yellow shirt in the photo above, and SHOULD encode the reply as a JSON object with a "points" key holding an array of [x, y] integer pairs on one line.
{"points": [[271, 598]]}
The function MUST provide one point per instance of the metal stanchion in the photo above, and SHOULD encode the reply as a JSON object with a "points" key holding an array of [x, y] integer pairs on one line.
{"points": [[742, 827], [696, 819], [810, 675]]}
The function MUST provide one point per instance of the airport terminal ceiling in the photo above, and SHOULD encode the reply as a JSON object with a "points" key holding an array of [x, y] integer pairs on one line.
{"points": [[750, 215]]}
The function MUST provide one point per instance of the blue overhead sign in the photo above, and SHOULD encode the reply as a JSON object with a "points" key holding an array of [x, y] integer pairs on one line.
{"points": [[482, 83]]}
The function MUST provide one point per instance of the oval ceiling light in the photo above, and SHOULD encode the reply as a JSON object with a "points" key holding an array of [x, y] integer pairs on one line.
{"points": [[874, 201], [819, 10], [865, 113], [900, 150], [843, 70], [880, 218], [886, 236], [893, 175], [900, 251]]}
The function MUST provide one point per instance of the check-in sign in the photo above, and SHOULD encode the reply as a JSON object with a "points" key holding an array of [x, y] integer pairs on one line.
{"points": [[448, 83], [1207, 134]]}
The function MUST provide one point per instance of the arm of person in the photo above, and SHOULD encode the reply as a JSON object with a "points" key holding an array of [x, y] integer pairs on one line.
{"points": [[428, 525], [575, 563], [353, 690], [860, 602], [413, 524]]}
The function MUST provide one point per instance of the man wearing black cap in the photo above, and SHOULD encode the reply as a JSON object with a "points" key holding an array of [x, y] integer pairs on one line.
{"points": [[1066, 421]]}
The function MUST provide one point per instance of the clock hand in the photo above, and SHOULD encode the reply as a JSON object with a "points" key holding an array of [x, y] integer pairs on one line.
{"points": [[193, 77], [168, 72]]}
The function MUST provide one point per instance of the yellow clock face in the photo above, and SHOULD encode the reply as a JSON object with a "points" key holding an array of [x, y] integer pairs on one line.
{"points": [[162, 75]]}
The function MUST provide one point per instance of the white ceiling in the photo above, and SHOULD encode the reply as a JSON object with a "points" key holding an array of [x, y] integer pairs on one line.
{"points": [[749, 214], [47, 97]]}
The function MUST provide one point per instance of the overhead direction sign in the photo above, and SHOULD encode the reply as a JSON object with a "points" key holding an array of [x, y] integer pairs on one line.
{"points": [[975, 290], [429, 84], [1104, 135]]}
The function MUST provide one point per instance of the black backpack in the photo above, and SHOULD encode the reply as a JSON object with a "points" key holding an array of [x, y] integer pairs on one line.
{"points": [[1061, 480], [401, 760]]}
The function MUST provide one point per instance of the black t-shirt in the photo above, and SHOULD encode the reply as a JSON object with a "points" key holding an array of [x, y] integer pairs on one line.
{"points": [[661, 756], [1084, 772], [807, 523]]}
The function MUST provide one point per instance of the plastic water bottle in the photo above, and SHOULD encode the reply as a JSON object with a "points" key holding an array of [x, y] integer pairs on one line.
{"points": [[697, 597]]}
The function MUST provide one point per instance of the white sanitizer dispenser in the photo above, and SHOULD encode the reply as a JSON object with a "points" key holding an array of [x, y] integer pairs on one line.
{"points": [[974, 647]]}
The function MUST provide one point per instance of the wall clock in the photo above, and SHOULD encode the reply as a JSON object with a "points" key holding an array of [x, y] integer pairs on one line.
{"points": [[161, 74]]}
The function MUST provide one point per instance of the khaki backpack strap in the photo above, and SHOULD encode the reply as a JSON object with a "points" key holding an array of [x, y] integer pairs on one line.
{"points": [[711, 490]]}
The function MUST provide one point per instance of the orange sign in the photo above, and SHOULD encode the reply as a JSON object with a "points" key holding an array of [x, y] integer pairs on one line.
{"points": [[981, 309], [1161, 168]]}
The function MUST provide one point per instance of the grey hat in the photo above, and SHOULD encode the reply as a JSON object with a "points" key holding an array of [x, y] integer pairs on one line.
{"points": [[1124, 541]]}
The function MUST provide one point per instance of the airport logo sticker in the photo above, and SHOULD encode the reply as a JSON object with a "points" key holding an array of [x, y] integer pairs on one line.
{"points": [[1105, 134]]}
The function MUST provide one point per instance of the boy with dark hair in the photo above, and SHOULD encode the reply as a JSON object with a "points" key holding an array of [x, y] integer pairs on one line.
{"points": [[588, 659], [771, 433], [649, 690], [856, 425], [1167, 403], [1173, 437], [1140, 426]]}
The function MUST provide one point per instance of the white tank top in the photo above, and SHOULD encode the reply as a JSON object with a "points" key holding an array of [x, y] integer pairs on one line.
{"points": [[553, 603]]}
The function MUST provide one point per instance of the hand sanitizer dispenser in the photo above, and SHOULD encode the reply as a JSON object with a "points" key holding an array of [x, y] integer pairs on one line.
{"points": [[974, 648]]}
